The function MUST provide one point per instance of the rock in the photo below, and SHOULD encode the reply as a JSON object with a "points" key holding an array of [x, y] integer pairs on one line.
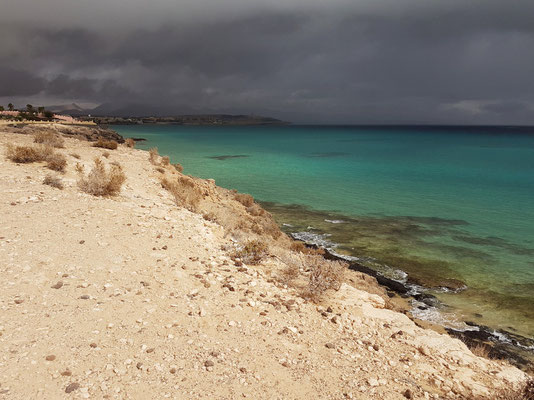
{"points": [[151, 350], [51, 357], [232, 323], [330, 346], [208, 363], [19, 301], [58, 285], [372, 382], [85, 297], [72, 387], [66, 373], [93, 345], [408, 394], [139, 365]]}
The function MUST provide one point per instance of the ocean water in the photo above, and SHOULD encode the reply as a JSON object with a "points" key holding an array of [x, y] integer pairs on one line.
{"points": [[441, 207]]}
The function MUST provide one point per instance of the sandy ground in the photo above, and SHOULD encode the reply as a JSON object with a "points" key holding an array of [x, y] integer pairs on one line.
{"points": [[133, 297]]}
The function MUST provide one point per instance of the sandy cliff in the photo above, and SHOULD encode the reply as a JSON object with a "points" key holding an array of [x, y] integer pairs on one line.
{"points": [[135, 297]]}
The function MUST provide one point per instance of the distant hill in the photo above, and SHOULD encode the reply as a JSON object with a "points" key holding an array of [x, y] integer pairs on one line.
{"points": [[109, 113], [72, 109]]}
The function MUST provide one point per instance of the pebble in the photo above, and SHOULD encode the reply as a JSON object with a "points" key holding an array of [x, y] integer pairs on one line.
{"points": [[232, 323], [330, 345], [51, 357], [72, 387], [58, 285], [209, 363]]}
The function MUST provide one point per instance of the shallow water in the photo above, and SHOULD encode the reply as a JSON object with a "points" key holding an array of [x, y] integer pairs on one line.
{"points": [[448, 206]]}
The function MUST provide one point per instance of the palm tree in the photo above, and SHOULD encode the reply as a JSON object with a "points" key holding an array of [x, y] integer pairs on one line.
{"points": [[1, 108], [10, 106], [29, 108]]}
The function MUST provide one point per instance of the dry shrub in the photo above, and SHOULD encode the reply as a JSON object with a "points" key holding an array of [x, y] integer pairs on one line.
{"points": [[130, 143], [300, 247], [178, 167], [28, 154], [105, 144], [56, 162], [186, 193], [246, 199], [255, 210], [293, 265], [75, 155], [53, 181], [153, 156], [49, 138], [79, 168], [160, 170], [252, 252], [101, 182], [209, 217], [324, 275], [165, 160]]}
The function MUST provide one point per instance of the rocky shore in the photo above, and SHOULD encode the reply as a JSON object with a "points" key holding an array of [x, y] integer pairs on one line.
{"points": [[163, 291]]}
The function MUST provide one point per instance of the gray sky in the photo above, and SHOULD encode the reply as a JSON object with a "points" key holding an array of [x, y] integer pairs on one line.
{"points": [[335, 61]]}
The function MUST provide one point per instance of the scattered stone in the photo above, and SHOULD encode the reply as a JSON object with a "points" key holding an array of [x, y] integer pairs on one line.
{"points": [[372, 382], [51, 357], [330, 346], [151, 350], [408, 394], [19, 301], [93, 345], [243, 370], [85, 297], [81, 241], [72, 387], [58, 285], [172, 370], [66, 373], [208, 363], [139, 365]]}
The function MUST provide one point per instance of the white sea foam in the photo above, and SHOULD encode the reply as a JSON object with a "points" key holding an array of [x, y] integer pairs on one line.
{"points": [[335, 221], [288, 225]]}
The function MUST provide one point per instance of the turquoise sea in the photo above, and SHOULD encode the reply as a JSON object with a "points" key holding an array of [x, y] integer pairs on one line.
{"points": [[439, 207]]}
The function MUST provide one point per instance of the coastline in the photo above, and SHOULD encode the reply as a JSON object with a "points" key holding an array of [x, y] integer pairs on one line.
{"points": [[189, 281]]}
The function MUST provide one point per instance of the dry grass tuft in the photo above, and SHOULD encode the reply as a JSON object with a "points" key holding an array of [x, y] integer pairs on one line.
{"points": [[252, 252], [28, 154], [53, 181], [324, 275], [106, 144], [165, 160], [246, 199], [101, 182], [186, 193], [75, 155], [56, 162], [130, 143], [153, 156], [49, 138], [79, 168], [160, 170], [293, 268], [178, 167]]}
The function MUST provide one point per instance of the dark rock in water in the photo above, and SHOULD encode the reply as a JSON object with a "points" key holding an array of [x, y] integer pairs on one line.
{"points": [[427, 298], [222, 158], [138, 139], [504, 350], [382, 280]]}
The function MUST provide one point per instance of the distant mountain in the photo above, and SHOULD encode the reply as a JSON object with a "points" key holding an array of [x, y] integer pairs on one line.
{"points": [[68, 109]]}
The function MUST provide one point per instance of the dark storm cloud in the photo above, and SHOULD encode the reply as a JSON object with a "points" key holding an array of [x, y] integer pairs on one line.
{"points": [[346, 61]]}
